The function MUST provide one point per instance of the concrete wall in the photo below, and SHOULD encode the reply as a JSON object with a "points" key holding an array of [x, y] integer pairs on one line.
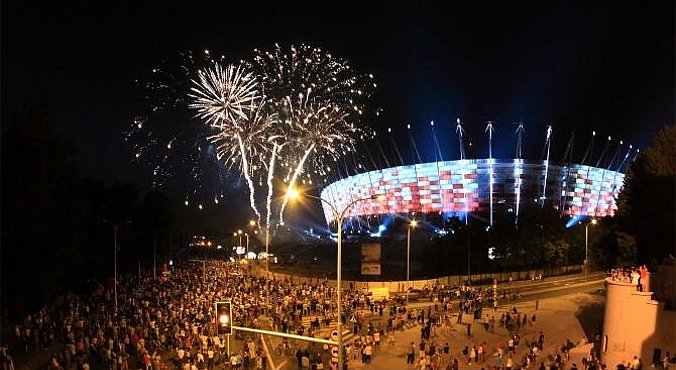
{"points": [[664, 283], [634, 325], [400, 286]]}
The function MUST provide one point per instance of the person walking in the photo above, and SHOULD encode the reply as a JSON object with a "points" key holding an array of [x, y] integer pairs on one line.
{"points": [[299, 357], [410, 355]]}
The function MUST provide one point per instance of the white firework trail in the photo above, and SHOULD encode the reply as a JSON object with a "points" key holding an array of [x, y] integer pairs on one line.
{"points": [[544, 186], [245, 170], [271, 168], [460, 132], [518, 171], [490, 130], [297, 171]]}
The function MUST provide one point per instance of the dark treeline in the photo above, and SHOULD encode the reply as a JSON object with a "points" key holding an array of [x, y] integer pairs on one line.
{"points": [[57, 226]]}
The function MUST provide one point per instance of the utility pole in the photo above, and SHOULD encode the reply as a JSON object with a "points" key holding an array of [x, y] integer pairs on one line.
{"points": [[115, 227]]}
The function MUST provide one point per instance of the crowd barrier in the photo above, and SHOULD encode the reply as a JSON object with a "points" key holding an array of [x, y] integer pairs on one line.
{"points": [[400, 286]]}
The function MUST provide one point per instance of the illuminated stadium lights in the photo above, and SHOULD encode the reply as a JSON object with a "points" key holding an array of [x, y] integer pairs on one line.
{"points": [[463, 186]]}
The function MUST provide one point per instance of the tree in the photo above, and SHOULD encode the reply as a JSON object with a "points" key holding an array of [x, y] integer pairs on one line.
{"points": [[556, 252], [41, 210], [614, 247], [53, 236], [646, 205]]}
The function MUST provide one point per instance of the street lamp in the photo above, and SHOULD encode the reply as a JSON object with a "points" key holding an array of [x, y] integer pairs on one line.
{"points": [[586, 240], [239, 232], [339, 216], [247, 245], [267, 242], [115, 226], [413, 224]]}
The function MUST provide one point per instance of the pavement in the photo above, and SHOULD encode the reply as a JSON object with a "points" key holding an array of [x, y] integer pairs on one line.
{"points": [[559, 318], [556, 317]]}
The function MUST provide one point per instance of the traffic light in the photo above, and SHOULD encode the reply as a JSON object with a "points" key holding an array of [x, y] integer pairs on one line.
{"points": [[224, 318]]}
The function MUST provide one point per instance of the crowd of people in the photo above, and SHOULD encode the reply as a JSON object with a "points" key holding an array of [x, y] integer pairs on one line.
{"points": [[637, 276], [171, 315], [166, 322], [430, 354]]}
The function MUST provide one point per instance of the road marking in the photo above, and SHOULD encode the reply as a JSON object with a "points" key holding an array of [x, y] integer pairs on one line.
{"points": [[267, 353], [281, 365]]}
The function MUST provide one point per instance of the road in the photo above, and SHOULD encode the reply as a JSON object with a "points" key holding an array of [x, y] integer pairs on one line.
{"points": [[546, 291], [539, 289]]}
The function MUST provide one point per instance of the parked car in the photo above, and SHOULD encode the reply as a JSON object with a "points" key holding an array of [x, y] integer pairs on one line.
{"points": [[412, 294]]}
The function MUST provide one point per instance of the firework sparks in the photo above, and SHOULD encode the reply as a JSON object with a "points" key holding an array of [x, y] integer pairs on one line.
{"points": [[283, 116], [227, 100], [164, 134], [224, 95], [320, 100]]}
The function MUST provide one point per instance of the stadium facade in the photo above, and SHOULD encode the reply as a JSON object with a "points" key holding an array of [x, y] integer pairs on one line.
{"points": [[482, 186]]}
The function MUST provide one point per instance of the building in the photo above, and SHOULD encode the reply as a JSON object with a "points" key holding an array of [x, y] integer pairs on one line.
{"points": [[482, 186]]}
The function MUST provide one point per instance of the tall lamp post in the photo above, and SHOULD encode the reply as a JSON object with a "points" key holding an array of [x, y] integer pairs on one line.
{"points": [[253, 223], [469, 272], [339, 216], [413, 224], [115, 227], [586, 241]]}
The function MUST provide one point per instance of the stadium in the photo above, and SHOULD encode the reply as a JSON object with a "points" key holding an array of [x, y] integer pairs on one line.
{"points": [[495, 213], [482, 187]]}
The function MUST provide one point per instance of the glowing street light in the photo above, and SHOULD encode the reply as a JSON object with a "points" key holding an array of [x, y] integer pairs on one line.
{"points": [[338, 216]]}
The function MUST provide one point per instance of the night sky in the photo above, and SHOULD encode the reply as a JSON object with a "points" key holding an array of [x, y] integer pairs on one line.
{"points": [[603, 65]]}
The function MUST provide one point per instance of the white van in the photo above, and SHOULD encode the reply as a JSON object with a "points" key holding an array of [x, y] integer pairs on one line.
{"points": [[378, 294]]}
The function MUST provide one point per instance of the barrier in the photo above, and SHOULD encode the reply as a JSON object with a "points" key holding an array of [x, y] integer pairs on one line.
{"points": [[400, 286]]}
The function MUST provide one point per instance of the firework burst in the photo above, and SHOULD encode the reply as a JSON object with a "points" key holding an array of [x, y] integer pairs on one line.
{"points": [[224, 96], [276, 121], [319, 99], [305, 70], [165, 136]]}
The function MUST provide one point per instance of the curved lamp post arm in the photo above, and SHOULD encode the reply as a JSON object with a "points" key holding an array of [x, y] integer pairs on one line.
{"points": [[339, 219], [336, 213]]}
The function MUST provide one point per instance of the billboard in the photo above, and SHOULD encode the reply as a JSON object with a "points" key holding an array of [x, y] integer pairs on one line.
{"points": [[370, 259]]}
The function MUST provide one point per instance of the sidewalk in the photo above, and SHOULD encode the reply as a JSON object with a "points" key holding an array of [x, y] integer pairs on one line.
{"points": [[556, 317]]}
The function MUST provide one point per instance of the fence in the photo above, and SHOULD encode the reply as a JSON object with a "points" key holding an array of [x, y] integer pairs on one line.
{"points": [[399, 286]]}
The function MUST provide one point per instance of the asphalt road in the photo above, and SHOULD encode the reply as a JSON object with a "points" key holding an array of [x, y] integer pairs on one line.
{"points": [[529, 291], [540, 289]]}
